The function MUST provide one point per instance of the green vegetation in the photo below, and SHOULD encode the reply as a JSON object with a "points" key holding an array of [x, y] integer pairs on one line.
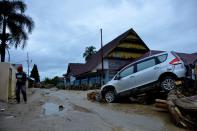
{"points": [[89, 51], [35, 73], [14, 25], [56, 81]]}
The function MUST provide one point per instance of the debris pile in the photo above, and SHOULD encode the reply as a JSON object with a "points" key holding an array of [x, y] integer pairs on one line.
{"points": [[94, 96], [61, 107], [183, 109]]}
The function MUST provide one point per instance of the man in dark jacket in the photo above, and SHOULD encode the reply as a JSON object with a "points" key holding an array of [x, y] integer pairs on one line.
{"points": [[21, 84]]}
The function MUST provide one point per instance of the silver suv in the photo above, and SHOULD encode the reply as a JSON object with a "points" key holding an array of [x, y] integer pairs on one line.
{"points": [[154, 72]]}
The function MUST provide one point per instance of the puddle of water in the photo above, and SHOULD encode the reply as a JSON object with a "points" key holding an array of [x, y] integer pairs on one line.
{"points": [[52, 109]]}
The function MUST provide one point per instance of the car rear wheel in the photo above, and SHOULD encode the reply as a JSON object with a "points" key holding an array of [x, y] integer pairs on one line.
{"points": [[168, 83], [110, 96]]}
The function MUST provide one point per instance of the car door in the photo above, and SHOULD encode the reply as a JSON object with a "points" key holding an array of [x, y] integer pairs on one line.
{"points": [[162, 65], [146, 71], [126, 79]]}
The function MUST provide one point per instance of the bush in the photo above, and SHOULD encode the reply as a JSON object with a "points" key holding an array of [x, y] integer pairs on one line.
{"points": [[82, 87]]}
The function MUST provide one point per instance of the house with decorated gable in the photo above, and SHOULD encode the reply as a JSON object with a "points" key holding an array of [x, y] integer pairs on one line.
{"points": [[114, 55]]}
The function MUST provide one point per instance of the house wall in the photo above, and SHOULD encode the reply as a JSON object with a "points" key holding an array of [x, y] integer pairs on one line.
{"points": [[111, 67], [72, 80], [114, 66], [7, 81], [94, 80], [4, 80], [105, 65], [13, 82]]}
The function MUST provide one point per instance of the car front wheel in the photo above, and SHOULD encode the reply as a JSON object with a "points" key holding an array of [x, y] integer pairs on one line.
{"points": [[167, 84], [110, 96]]}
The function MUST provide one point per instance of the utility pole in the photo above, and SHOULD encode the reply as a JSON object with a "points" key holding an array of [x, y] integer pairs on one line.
{"points": [[8, 55], [28, 64], [27, 70], [102, 70]]}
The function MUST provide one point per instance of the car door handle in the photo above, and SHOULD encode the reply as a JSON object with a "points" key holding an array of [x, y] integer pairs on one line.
{"points": [[156, 68], [132, 77]]}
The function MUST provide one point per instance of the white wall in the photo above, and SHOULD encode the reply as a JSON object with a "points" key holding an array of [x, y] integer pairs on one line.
{"points": [[105, 65], [4, 81], [13, 82], [7, 81]]}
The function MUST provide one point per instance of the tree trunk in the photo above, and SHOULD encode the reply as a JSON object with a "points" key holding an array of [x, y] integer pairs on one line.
{"points": [[3, 41], [2, 52]]}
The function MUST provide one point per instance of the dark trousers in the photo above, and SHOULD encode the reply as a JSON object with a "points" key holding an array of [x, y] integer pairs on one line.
{"points": [[21, 88]]}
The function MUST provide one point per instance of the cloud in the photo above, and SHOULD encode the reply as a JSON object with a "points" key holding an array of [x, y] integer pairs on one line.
{"points": [[64, 28]]}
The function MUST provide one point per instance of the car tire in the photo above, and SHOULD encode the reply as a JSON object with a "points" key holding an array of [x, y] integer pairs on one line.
{"points": [[168, 83], [109, 96]]}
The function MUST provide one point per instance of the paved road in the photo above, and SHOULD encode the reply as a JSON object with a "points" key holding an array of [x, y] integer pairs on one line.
{"points": [[42, 113]]}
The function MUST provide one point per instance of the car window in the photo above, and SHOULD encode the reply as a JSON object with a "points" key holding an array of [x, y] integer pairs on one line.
{"points": [[146, 64], [128, 71], [162, 58]]}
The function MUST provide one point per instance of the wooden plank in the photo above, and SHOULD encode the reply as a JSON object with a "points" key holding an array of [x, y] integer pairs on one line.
{"points": [[161, 105], [178, 83], [161, 101]]}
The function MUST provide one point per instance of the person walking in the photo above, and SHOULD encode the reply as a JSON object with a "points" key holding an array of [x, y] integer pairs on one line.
{"points": [[21, 78]]}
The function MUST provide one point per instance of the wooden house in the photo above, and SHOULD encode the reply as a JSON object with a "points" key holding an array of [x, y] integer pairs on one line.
{"points": [[116, 54]]}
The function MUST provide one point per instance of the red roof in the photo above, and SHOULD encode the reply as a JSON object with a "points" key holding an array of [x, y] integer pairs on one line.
{"points": [[79, 68], [187, 58], [74, 69]]}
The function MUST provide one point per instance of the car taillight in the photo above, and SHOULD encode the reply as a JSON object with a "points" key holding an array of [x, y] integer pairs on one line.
{"points": [[175, 61]]}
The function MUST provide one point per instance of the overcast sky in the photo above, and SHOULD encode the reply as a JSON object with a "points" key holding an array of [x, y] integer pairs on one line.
{"points": [[63, 28]]}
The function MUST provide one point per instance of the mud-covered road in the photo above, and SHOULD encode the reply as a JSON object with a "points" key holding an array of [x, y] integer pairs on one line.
{"points": [[42, 113]]}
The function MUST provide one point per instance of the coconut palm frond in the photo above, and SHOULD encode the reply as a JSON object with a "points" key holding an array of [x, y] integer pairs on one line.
{"points": [[89, 51], [22, 20], [5, 7], [18, 35], [16, 25], [19, 5], [1, 23]]}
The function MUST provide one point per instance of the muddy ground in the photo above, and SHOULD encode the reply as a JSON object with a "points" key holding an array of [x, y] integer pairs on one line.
{"points": [[42, 113]]}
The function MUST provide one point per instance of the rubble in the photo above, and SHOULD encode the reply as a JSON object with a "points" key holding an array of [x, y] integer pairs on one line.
{"points": [[61, 107], [181, 102], [94, 96], [183, 110]]}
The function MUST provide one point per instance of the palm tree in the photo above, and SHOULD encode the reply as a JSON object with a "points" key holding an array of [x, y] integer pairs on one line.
{"points": [[14, 25], [89, 51]]}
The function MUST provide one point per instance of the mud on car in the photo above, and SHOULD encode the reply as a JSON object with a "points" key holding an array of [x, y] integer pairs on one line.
{"points": [[154, 72]]}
